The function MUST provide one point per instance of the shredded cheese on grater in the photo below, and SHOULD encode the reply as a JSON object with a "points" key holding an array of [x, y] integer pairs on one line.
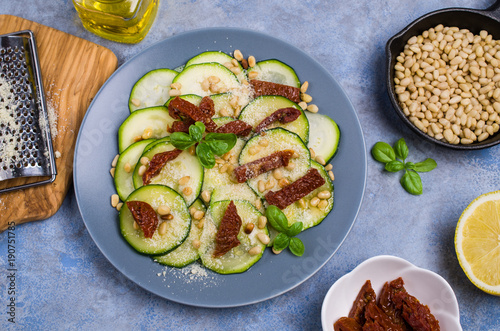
{"points": [[10, 147]]}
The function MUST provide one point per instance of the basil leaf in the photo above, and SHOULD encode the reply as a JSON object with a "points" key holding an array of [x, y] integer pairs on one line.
{"points": [[276, 218], [409, 165], [425, 166], [201, 126], [295, 229], [181, 140], [196, 132], [220, 143], [411, 182], [401, 149], [394, 166], [281, 242], [296, 246], [383, 152], [205, 155]]}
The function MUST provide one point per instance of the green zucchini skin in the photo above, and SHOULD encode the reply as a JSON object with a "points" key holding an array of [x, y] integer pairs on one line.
{"points": [[276, 71], [325, 138], [177, 230], [152, 89]]}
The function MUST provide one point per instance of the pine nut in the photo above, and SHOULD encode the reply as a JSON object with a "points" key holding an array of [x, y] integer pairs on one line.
{"points": [[290, 166], [115, 160], [313, 108], [148, 133], [313, 154], [256, 250], [283, 182], [205, 195], [251, 61], [201, 223], [136, 225], [112, 172], [331, 175], [264, 238], [258, 203], [264, 142], [324, 194], [174, 92], [162, 228], [115, 199], [276, 251], [253, 74], [176, 85], [192, 150], [237, 55], [323, 204], [144, 160], [213, 79], [320, 160], [196, 243], [304, 87], [136, 102], [269, 184], [262, 222], [163, 210], [277, 174], [249, 228], [142, 170], [314, 201], [328, 167], [127, 167], [119, 206], [306, 97], [261, 186], [205, 85], [137, 138], [184, 180], [302, 203], [167, 217], [192, 210], [303, 105], [198, 215], [187, 191]]}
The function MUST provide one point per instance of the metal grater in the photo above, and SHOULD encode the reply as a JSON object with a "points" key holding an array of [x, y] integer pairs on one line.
{"points": [[25, 141]]}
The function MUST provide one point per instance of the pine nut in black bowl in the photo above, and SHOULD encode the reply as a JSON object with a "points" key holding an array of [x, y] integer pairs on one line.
{"points": [[443, 77]]}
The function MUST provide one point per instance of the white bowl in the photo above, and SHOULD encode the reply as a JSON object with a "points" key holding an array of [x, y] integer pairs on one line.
{"points": [[428, 287]]}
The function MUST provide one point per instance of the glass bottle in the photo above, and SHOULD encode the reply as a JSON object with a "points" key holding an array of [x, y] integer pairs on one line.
{"points": [[126, 21]]}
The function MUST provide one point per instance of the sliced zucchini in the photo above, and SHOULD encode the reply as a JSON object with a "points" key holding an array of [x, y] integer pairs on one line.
{"points": [[177, 228], [218, 57], [325, 137], [311, 216], [123, 179], [261, 107], [193, 77], [155, 118], [223, 120], [156, 141], [237, 192], [152, 89], [237, 259], [184, 165], [275, 71], [222, 105], [278, 139], [186, 253]]}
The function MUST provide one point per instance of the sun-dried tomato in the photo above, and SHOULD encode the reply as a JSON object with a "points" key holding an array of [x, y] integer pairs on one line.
{"points": [[157, 162], [227, 235], [365, 296], [179, 106], [181, 126], [267, 88], [207, 106], [347, 324], [237, 127], [145, 216], [386, 302], [376, 319], [255, 168], [283, 115], [295, 191]]}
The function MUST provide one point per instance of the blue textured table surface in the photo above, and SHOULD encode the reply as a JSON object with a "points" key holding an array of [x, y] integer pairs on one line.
{"points": [[64, 282]]}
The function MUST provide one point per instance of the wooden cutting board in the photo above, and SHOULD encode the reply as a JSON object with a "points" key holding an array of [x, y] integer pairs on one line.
{"points": [[73, 70]]}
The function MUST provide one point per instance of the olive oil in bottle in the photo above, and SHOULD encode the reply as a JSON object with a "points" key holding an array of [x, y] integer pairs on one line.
{"points": [[126, 21]]}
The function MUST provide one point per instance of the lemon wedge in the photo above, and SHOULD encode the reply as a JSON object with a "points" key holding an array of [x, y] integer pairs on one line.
{"points": [[477, 242]]}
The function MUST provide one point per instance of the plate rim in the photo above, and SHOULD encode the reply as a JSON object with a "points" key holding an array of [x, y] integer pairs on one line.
{"points": [[186, 34]]}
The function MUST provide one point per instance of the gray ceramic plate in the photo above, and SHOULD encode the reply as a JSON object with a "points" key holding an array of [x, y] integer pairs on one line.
{"points": [[273, 274]]}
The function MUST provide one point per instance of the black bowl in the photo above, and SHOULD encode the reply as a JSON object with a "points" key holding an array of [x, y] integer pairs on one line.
{"points": [[475, 21]]}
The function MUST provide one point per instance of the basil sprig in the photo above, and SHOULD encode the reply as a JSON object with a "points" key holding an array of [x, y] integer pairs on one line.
{"points": [[395, 160], [213, 143], [286, 237]]}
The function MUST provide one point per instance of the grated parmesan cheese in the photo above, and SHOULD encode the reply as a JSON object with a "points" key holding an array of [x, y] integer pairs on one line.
{"points": [[10, 147]]}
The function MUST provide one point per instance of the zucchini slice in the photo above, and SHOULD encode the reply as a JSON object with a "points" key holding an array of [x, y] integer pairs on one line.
{"points": [[237, 259], [193, 78], [325, 137], [218, 57], [193, 98], [183, 166], [261, 107], [155, 118], [275, 71], [186, 253], [278, 139], [123, 179], [177, 228], [152, 89]]}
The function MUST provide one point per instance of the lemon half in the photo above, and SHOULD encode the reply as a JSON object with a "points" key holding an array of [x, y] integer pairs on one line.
{"points": [[477, 242]]}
